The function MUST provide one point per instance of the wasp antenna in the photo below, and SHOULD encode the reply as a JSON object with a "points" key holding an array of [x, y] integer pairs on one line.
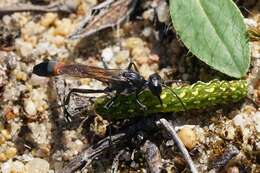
{"points": [[46, 68], [175, 96]]}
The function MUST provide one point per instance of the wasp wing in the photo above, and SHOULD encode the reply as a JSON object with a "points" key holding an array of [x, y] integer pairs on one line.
{"points": [[53, 68]]}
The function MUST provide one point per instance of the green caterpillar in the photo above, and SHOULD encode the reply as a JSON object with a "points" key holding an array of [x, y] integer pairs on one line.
{"points": [[197, 96]]}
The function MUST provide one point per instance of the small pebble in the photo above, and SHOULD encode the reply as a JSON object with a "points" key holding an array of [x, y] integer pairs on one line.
{"points": [[134, 42], [72, 143], [11, 60], [141, 55], [3, 157], [31, 39], [7, 19], [40, 132], [24, 48], [107, 54], [2, 139], [63, 27], [6, 134], [169, 143], [134, 165], [148, 14], [146, 70], [48, 19], [31, 29], [30, 107], [38, 165], [39, 81], [10, 152], [250, 22], [239, 120], [58, 41], [3, 76], [99, 126], [44, 150], [14, 167], [229, 133], [20, 75], [147, 31], [73, 5], [122, 56], [257, 145], [78, 145], [232, 169], [256, 119], [163, 12], [188, 137]]}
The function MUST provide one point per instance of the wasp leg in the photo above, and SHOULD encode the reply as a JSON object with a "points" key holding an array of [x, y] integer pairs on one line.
{"points": [[131, 64], [111, 102], [104, 63], [139, 102], [84, 91], [79, 90]]}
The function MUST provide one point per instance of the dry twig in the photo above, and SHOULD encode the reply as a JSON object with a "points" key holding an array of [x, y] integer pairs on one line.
{"points": [[114, 168], [179, 143], [113, 15], [86, 156], [63, 7]]}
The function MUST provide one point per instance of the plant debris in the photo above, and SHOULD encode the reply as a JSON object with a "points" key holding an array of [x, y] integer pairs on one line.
{"points": [[111, 13], [62, 7]]}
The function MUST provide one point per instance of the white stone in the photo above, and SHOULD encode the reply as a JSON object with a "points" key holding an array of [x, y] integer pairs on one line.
{"points": [[38, 165], [107, 54], [30, 107], [239, 120], [147, 31], [257, 144], [45, 47], [230, 133], [25, 48], [163, 11], [40, 81], [148, 14], [42, 48], [10, 167], [6, 167], [39, 132], [257, 117], [7, 19], [250, 22], [257, 127]]}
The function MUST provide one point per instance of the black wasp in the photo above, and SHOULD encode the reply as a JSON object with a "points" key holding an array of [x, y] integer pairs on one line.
{"points": [[122, 82]]}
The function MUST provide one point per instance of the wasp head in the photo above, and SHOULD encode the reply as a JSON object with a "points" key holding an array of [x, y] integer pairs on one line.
{"points": [[155, 85]]}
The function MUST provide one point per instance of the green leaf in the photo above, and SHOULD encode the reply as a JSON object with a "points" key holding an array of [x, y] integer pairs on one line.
{"points": [[214, 31]]}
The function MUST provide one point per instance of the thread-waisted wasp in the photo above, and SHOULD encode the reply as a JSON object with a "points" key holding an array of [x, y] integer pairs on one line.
{"points": [[122, 82]]}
